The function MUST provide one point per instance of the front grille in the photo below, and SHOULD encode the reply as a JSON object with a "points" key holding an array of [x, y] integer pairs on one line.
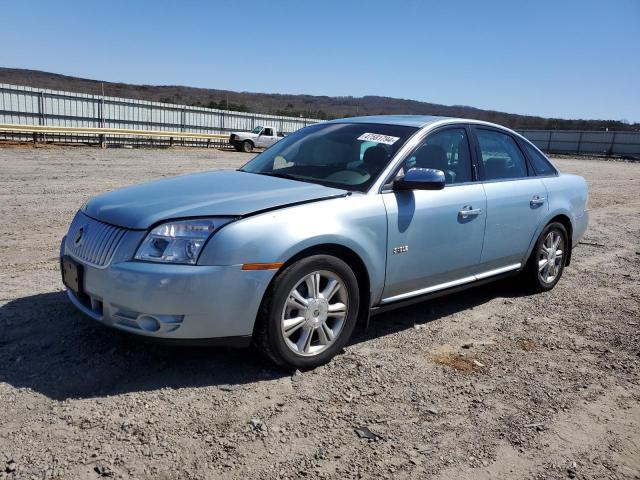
{"points": [[92, 241]]}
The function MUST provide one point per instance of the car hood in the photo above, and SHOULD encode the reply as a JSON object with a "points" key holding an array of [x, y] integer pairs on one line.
{"points": [[218, 193], [245, 134]]}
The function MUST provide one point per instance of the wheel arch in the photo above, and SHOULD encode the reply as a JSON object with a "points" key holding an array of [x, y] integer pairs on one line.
{"points": [[560, 216], [566, 222], [347, 255]]}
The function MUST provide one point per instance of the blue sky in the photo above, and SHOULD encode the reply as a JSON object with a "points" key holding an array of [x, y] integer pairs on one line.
{"points": [[567, 58]]}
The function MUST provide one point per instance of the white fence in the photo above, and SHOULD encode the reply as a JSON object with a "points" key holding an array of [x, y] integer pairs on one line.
{"points": [[619, 143], [52, 108]]}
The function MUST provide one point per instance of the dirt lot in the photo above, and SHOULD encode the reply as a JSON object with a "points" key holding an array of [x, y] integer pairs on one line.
{"points": [[554, 391]]}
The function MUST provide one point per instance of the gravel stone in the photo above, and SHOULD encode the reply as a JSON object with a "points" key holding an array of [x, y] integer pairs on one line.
{"points": [[76, 396]]}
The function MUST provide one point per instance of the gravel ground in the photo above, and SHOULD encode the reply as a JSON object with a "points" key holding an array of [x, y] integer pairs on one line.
{"points": [[488, 383]]}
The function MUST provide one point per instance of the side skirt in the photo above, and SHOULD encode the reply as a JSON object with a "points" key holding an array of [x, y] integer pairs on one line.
{"points": [[439, 293]]}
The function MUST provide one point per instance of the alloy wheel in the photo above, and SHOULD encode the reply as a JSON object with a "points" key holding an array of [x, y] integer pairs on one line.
{"points": [[314, 313], [550, 257]]}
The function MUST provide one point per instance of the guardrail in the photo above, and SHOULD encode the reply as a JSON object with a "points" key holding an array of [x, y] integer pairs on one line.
{"points": [[102, 134]]}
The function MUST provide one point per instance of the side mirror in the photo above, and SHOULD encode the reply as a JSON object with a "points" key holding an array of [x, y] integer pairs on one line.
{"points": [[421, 179]]}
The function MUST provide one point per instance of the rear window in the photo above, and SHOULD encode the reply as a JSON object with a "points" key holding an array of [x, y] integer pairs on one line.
{"points": [[539, 162], [501, 156]]}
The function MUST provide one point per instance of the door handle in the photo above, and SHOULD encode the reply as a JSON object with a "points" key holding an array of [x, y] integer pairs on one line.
{"points": [[468, 211], [536, 201]]}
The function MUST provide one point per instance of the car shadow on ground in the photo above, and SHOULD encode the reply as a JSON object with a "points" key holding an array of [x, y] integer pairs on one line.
{"points": [[46, 346], [439, 308]]}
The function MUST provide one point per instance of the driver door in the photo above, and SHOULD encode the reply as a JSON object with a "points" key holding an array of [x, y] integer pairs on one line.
{"points": [[435, 237], [266, 137]]}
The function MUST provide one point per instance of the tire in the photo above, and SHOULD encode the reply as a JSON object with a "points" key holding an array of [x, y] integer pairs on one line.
{"points": [[297, 336], [540, 274], [247, 146]]}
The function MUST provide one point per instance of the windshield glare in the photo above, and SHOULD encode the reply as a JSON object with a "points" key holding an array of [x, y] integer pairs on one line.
{"points": [[256, 130], [341, 155]]}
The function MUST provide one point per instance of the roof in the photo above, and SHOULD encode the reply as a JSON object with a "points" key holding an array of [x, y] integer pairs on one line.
{"points": [[407, 120]]}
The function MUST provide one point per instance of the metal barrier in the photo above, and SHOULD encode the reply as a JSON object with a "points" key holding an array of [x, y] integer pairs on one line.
{"points": [[33, 107], [37, 132], [138, 121], [576, 142]]}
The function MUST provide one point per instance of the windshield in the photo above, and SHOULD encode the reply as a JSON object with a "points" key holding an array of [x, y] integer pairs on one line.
{"points": [[340, 155], [256, 130]]}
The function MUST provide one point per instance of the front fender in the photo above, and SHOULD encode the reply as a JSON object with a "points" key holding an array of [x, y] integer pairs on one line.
{"points": [[357, 222], [241, 137]]}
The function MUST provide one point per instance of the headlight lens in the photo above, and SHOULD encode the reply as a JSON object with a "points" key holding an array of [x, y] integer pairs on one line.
{"points": [[177, 242]]}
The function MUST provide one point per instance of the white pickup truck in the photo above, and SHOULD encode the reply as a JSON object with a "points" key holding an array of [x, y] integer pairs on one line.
{"points": [[259, 137]]}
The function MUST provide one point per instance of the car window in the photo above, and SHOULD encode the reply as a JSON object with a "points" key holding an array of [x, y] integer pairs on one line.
{"points": [[256, 130], [268, 131], [501, 155], [540, 164], [446, 150], [341, 155]]}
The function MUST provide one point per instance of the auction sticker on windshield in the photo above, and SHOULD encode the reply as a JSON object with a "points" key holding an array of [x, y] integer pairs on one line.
{"points": [[378, 138]]}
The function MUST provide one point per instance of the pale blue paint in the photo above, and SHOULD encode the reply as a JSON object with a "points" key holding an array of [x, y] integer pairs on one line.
{"points": [[276, 219]]}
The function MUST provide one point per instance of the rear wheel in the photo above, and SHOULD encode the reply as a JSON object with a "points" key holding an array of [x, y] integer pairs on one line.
{"points": [[309, 312], [247, 146], [548, 258]]}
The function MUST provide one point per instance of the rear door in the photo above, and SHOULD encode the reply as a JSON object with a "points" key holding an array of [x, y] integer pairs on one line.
{"points": [[435, 237], [516, 199]]}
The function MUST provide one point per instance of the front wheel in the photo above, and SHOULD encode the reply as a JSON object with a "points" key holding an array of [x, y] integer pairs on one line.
{"points": [[548, 258], [247, 146], [309, 312]]}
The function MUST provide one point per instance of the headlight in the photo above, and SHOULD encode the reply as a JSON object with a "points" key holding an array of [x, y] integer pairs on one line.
{"points": [[178, 242]]}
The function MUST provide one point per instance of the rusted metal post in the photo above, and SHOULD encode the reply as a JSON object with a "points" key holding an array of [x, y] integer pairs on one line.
{"points": [[183, 121], [41, 119], [579, 143], [613, 142]]}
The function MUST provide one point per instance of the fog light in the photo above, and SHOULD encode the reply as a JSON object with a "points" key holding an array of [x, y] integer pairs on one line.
{"points": [[148, 323]]}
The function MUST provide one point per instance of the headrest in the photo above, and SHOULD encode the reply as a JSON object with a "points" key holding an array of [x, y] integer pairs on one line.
{"points": [[432, 156], [375, 157]]}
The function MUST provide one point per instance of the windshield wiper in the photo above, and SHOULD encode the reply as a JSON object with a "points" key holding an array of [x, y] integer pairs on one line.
{"points": [[281, 175]]}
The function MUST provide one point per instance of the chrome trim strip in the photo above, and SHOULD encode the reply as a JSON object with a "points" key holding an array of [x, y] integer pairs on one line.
{"points": [[498, 271], [453, 283], [407, 148], [421, 134], [99, 243], [441, 286]]}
